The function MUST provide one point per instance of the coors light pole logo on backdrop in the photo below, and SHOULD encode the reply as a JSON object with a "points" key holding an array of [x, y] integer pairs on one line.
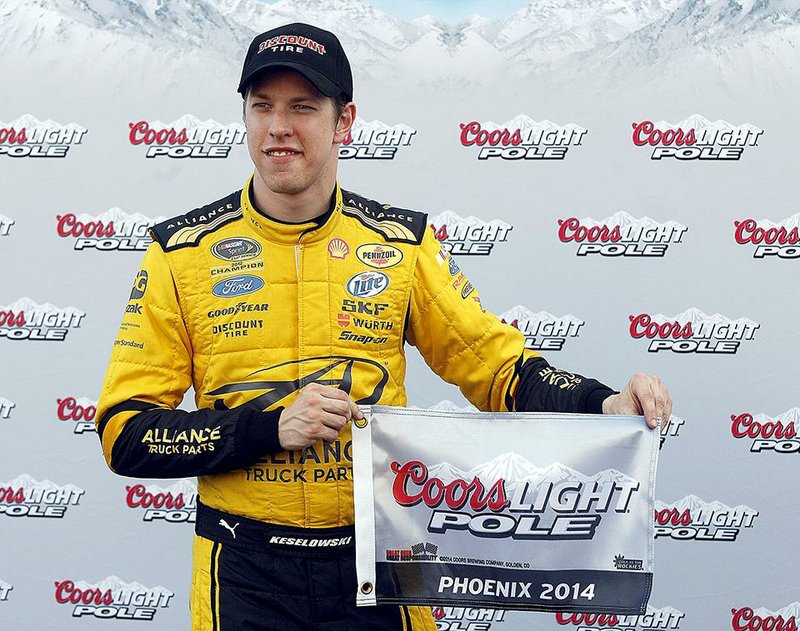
{"points": [[510, 497], [521, 138], [27, 320], [770, 239], [375, 140], [693, 519], [543, 331], [470, 236], [187, 137], [5, 408], [620, 235], [174, 504], [112, 598], [761, 619], [113, 230], [28, 137], [5, 225], [695, 138], [664, 618], [768, 434], [468, 618], [79, 413], [692, 332], [5, 590], [25, 497]]}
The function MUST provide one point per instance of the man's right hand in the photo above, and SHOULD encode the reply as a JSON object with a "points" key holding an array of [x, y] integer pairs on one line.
{"points": [[318, 413]]}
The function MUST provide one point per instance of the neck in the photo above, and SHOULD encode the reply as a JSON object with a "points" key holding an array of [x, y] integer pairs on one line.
{"points": [[293, 207]]}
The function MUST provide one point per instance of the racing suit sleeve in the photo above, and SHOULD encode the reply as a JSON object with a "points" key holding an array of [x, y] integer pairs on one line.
{"points": [[141, 432], [474, 350]]}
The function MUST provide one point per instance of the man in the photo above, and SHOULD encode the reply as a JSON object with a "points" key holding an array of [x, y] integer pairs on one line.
{"points": [[286, 305]]}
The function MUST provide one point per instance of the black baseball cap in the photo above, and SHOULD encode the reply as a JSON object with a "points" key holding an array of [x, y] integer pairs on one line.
{"points": [[313, 52]]}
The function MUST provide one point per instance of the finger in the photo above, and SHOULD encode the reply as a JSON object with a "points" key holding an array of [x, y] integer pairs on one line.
{"points": [[667, 410], [336, 406], [355, 411], [647, 403], [334, 421], [658, 397], [329, 436]]}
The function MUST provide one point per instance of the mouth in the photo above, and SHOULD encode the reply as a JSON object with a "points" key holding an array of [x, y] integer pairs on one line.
{"points": [[281, 152]]}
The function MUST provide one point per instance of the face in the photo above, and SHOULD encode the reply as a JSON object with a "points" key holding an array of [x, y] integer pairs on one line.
{"points": [[292, 134]]}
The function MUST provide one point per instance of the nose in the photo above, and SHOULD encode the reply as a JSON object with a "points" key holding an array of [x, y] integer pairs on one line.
{"points": [[280, 124]]}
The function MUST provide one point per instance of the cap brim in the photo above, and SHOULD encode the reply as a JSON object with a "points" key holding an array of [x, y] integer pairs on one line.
{"points": [[317, 79]]}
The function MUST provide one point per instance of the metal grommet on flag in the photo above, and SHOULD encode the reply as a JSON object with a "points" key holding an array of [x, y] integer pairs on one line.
{"points": [[366, 587]]}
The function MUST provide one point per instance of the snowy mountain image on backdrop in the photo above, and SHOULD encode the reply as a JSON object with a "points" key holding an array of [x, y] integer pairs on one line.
{"points": [[558, 41]]}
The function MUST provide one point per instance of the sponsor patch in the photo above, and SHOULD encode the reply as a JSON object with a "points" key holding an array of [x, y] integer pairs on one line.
{"points": [[338, 249], [237, 286], [454, 268], [236, 249], [139, 285], [378, 255], [367, 284]]}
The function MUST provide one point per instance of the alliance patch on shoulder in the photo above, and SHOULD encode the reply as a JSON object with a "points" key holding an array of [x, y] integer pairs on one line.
{"points": [[187, 230], [394, 224]]}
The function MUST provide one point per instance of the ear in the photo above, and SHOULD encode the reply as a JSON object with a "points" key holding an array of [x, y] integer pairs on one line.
{"points": [[345, 122]]}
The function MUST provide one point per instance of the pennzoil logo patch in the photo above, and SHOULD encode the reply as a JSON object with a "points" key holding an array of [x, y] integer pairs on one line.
{"points": [[379, 256]]}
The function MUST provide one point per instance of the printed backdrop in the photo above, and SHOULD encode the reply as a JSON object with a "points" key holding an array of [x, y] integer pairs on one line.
{"points": [[619, 180]]}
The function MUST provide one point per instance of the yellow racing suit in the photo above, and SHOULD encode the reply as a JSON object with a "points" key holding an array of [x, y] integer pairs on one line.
{"points": [[249, 310]]}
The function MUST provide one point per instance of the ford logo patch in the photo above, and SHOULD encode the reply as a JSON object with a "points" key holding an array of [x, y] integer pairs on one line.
{"points": [[367, 284], [237, 286]]}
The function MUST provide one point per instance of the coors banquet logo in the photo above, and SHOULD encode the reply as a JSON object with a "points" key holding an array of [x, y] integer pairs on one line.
{"points": [[542, 330], [112, 598], [695, 138], [761, 619], [28, 137], [375, 140], [113, 230], [174, 504], [470, 236], [693, 519], [776, 435], [186, 137], [620, 235], [664, 618], [770, 239], [27, 320], [25, 497], [510, 497], [521, 138], [692, 332]]}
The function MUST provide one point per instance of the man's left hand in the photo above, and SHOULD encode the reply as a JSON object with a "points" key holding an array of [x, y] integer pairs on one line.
{"points": [[643, 394]]}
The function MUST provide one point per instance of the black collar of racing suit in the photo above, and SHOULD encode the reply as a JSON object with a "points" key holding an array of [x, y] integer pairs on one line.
{"points": [[319, 219], [285, 232]]}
